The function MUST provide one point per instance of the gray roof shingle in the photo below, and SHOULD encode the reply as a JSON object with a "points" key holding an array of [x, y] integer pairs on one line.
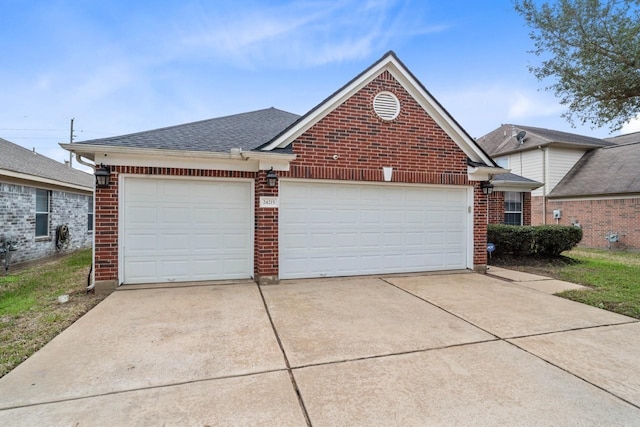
{"points": [[245, 130], [512, 177], [606, 171], [500, 141], [623, 139], [19, 159]]}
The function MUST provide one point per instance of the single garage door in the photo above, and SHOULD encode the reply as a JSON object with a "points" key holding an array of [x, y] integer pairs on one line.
{"points": [[177, 230], [336, 229]]}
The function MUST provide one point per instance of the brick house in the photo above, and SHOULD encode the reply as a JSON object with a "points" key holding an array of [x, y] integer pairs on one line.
{"points": [[378, 178], [38, 196], [588, 182]]}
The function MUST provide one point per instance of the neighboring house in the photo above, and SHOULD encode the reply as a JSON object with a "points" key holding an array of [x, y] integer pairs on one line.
{"points": [[601, 193], [587, 181], [378, 178], [38, 198]]}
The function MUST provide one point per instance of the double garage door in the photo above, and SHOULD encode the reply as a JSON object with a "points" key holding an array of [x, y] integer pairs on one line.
{"points": [[178, 230], [337, 229]]}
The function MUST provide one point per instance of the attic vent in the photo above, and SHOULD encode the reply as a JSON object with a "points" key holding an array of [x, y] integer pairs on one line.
{"points": [[386, 106]]}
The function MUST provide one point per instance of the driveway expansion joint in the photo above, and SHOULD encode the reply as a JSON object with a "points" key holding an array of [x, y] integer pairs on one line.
{"points": [[443, 309], [294, 384], [152, 387], [400, 353], [579, 328], [573, 374]]}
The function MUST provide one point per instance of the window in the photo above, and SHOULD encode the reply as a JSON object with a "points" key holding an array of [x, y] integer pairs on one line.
{"points": [[42, 213], [503, 162], [512, 208], [90, 214]]}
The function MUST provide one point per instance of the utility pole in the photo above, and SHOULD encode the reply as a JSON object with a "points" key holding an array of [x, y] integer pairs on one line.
{"points": [[71, 142]]}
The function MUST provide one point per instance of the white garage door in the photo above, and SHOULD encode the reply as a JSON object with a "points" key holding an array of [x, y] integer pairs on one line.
{"points": [[335, 229], [177, 230]]}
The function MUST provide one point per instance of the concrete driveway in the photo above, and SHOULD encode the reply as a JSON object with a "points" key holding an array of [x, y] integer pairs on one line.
{"points": [[441, 349]]}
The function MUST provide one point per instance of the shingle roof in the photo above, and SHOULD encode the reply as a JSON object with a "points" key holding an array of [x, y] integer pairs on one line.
{"points": [[606, 171], [512, 180], [512, 177], [18, 159], [623, 139], [502, 140], [245, 130]]}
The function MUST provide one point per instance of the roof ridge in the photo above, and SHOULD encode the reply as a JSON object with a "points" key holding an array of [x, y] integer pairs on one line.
{"points": [[623, 144]]}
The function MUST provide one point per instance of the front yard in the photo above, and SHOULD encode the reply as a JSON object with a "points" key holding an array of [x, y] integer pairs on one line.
{"points": [[30, 314], [613, 276]]}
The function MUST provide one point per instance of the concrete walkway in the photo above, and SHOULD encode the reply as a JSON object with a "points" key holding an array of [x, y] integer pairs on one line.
{"points": [[439, 349]]}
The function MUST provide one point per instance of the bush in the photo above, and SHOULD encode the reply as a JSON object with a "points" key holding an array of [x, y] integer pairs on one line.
{"points": [[542, 240], [552, 240]]}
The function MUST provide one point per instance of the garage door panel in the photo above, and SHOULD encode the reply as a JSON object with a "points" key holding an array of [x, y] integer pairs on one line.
{"points": [[142, 242], [182, 230], [142, 215], [173, 244], [333, 229]]}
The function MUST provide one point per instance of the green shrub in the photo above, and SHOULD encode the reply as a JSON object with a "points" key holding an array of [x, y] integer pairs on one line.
{"points": [[542, 240], [511, 240], [552, 240]]}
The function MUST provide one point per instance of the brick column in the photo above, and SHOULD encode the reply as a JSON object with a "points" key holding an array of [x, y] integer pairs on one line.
{"points": [[480, 219], [266, 234], [106, 236]]}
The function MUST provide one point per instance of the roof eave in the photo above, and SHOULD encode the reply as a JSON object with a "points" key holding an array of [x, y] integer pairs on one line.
{"points": [[89, 151], [49, 181], [506, 185], [484, 173]]}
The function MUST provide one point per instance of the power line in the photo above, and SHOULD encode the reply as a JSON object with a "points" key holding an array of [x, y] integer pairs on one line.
{"points": [[34, 129]]}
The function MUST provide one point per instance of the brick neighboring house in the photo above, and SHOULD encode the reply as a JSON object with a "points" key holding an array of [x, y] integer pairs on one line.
{"points": [[590, 182], [377, 178], [38, 195]]}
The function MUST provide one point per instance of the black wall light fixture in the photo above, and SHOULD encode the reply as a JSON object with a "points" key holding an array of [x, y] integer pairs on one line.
{"points": [[272, 178], [487, 187], [102, 174]]}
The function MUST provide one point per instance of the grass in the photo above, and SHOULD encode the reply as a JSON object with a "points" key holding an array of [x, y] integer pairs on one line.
{"points": [[30, 314], [614, 277]]}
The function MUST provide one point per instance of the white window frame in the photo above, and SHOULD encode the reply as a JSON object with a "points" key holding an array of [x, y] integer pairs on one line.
{"points": [[46, 214], [510, 197], [90, 208]]}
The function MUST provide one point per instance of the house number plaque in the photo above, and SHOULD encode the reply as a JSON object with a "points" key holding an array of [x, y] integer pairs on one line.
{"points": [[269, 202]]}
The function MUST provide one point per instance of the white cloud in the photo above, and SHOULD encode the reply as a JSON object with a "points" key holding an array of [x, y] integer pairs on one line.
{"points": [[303, 35], [631, 127], [525, 105]]}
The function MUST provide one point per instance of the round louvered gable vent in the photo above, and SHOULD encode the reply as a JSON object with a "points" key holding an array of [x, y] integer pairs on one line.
{"points": [[386, 105]]}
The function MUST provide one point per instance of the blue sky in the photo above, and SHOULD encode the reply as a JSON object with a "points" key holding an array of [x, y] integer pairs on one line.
{"points": [[119, 67]]}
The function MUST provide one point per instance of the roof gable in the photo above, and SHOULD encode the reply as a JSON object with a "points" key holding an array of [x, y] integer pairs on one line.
{"points": [[19, 162], [389, 63]]}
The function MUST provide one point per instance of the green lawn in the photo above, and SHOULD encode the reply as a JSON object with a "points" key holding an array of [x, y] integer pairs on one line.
{"points": [[30, 314], [613, 276]]}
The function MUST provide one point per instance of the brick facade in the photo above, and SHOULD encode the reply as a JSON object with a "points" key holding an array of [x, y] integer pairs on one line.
{"points": [[599, 218], [496, 208], [18, 219], [350, 144]]}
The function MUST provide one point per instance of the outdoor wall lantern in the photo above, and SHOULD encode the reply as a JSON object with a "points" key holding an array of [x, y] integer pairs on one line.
{"points": [[102, 174], [272, 178], [487, 187]]}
